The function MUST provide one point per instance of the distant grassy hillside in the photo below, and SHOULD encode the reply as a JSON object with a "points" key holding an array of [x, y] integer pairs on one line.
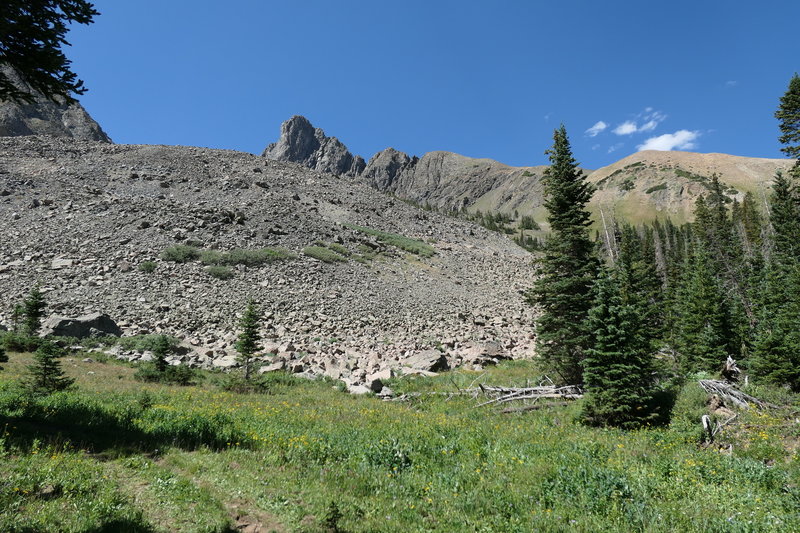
{"points": [[117, 455]]}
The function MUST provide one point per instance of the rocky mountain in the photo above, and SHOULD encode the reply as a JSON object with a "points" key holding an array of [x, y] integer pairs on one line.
{"points": [[301, 143], [640, 188], [46, 117], [653, 184], [80, 218]]}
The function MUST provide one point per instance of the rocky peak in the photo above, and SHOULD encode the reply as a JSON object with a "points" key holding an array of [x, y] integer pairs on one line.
{"points": [[385, 166], [301, 143], [46, 117]]}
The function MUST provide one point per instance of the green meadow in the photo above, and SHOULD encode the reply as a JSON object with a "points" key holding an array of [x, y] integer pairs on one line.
{"points": [[113, 454]]}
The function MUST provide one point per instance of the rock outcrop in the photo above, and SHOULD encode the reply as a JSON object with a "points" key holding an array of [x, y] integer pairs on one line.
{"points": [[46, 117], [640, 188], [384, 167], [301, 143], [91, 325]]}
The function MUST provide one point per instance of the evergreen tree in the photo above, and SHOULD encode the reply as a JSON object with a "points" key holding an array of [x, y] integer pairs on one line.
{"points": [[45, 375], [751, 223], [32, 311], [31, 36], [17, 313], [776, 350], [704, 336], [618, 370], [161, 349], [785, 218], [637, 260], [568, 266], [248, 343], [788, 114], [3, 356]]}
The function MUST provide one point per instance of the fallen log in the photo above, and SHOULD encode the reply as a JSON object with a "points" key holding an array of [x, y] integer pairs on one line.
{"points": [[729, 392]]}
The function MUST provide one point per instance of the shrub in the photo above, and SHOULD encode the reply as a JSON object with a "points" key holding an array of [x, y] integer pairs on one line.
{"points": [[219, 272], [339, 249], [323, 254], [241, 256], [180, 253], [660, 187], [176, 375], [408, 244], [17, 342], [527, 222], [148, 266]]}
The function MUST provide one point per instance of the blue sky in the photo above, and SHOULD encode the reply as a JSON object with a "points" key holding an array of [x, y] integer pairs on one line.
{"points": [[484, 79]]}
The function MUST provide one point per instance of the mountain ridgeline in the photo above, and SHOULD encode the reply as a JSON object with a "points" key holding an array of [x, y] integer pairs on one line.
{"points": [[640, 188]]}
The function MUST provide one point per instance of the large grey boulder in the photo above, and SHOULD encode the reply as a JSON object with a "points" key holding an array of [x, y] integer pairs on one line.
{"points": [[428, 360], [46, 117], [301, 143], [92, 325]]}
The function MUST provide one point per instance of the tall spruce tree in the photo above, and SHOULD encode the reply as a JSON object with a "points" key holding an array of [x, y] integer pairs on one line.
{"points": [[618, 370], [788, 115], [703, 334], [568, 267], [776, 350]]}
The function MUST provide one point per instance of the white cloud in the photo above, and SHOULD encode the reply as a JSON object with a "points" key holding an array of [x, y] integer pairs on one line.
{"points": [[615, 147], [649, 126], [650, 118], [595, 146], [731, 83], [599, 127], [626, 128], [680, 140]]}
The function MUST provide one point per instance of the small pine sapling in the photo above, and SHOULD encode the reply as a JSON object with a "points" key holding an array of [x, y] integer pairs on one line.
{"points": [[32, 311], [161, 349], [45, 374], [248, 343]]}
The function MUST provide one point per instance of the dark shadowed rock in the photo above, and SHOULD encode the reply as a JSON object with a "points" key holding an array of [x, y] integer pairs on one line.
{"points": [[93, 325], [46, 117], [429, 360], [301, 143]]}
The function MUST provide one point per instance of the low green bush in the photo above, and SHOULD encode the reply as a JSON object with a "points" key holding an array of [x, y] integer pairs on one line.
{"points": [[148, 266], [339, 249], [656, 188], [241, 256], [141, 343], [17, 342], [219, 272], [176, 375], [180, 253], [323, 254], [408, 244]]}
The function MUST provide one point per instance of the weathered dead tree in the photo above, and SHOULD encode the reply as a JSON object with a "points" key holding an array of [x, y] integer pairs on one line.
{"points": [[531, 396], [728, 391]]}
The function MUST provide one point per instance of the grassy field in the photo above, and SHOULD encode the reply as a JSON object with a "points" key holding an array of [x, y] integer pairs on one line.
{"points": [[117, 455]]}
